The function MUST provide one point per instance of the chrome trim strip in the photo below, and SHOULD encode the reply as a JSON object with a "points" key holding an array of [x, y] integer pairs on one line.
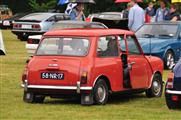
{"points": [[173, 92], [56, 87]]}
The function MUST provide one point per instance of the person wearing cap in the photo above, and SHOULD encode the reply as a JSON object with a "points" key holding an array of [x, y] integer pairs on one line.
{"points": [[77, 13], [161, 12], [136, 16], [126, 11]]}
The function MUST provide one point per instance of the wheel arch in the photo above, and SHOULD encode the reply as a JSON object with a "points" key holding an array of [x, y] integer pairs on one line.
{"points": [[105, 78], [155, 72]]}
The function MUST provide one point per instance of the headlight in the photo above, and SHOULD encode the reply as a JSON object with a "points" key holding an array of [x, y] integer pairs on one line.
{"points": [[1, 21]]}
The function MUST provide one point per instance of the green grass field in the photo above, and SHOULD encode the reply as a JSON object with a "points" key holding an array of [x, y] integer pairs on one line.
{"points": [[12, 107]]}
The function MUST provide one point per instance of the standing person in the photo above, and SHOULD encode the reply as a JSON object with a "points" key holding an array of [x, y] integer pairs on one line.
{"points": [[126, 11], [77, 13], [135, 17], [161, 12], [173, 15], [149, 12]]}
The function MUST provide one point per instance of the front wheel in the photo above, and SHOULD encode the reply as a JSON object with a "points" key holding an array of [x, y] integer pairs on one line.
{"points": [[156, 87], [100, 92]]}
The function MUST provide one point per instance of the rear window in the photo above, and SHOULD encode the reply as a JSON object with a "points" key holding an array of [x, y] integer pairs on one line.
{"points": [[36, 16], [64, 46]]}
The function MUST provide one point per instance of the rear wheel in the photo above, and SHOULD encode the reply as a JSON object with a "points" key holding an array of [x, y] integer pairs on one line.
{"points": [[156, 87], [100, 92], [169, 60], [171, 104], [30, 97]]}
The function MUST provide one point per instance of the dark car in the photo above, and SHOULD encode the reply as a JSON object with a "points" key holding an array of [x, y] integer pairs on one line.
{"points": [[173, 88], [36, 24], [110, 19], [8, 23], [161, 39]]}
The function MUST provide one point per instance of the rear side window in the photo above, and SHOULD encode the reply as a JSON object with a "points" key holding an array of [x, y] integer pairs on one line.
{"points": [[64, 46], [107, 47]]}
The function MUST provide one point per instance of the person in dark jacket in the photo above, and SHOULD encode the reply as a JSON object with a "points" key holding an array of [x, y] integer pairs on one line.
{"points": [[173, 15], [149, 12], [126, 11]]}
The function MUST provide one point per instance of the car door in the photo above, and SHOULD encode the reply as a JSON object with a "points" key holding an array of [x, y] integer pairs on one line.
{"points": [[108, 61], [138, 64]]}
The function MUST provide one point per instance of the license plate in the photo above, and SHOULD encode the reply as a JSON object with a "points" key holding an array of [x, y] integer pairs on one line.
{"points": [[26, 26], [54, 76]]}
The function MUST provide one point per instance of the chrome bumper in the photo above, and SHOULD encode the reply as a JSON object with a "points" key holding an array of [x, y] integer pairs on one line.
{"points": [[78, 88], [173, 92]]}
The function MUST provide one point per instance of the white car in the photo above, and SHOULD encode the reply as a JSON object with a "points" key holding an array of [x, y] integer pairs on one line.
{"points": [[32, 43], [33, 40]]}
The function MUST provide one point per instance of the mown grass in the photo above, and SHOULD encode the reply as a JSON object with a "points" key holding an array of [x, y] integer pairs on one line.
{"points": [[137, 107]]}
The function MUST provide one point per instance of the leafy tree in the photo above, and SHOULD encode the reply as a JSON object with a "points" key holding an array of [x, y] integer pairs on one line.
{"points": [[42, 5]]}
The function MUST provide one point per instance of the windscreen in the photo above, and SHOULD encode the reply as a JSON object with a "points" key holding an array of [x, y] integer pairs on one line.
{"points": [[158, 30], [64, 46]]}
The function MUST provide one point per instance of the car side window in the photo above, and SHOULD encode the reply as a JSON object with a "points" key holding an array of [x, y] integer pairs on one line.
{"points": [[122, 43], [107, 46], [133, 48], [51, 19], [59, 17]]}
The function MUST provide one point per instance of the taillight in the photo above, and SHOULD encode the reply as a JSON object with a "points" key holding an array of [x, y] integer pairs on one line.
{"points": [[84, 78], [170, 81], [17, 25], [30, 41], [88, 19], [36, 26], [25, 74]]}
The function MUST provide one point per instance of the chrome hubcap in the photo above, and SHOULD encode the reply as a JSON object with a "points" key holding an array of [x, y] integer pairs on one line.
{"points": [[101, 93], [170, 61], [156, 87]]}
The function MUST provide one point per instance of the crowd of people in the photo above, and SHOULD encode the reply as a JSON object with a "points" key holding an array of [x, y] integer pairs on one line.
{"points": [[136, 15]]}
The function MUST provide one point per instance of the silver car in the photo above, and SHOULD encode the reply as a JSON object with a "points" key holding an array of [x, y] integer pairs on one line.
{"points": [[36, 24]]}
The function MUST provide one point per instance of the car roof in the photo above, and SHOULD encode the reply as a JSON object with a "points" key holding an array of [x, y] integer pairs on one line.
{"points": [[87, 32], [42, 14]]}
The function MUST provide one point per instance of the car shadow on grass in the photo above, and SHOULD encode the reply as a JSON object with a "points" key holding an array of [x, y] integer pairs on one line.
{"points": [[113, 99]]}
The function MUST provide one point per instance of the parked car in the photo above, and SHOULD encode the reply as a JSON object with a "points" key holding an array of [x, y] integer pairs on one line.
{"points": [[36, 23], [8, 23], [162, 39], [33, 40], [110, 19], [89, 63], [173, 88]]}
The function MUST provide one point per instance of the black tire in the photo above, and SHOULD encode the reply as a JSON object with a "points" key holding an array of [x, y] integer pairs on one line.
{"points": [[170, 104], [156, 87], [100, 92], [30, 97], [169, 60]]}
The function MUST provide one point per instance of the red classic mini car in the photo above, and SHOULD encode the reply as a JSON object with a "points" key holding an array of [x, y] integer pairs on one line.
{"points": [[91, 63]]}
